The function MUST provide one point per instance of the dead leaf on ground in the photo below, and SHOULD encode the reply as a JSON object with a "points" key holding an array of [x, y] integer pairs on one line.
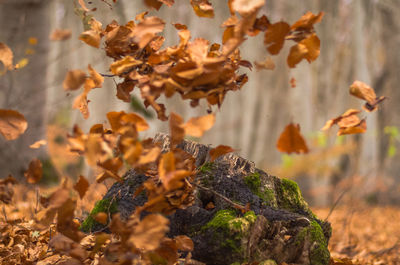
{"points": [[12, 124], [291, 140]]}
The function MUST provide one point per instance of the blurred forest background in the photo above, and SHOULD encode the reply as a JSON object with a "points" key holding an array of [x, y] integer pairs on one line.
{"points": [[360, 40]]}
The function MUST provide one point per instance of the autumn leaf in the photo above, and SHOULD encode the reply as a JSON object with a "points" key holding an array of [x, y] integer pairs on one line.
{"points": [[367, 93], [202, 8], [12, 124], [307, 21], [245, 7], [348, 123], [275, 36], [124, 65], [101, 217], [184, 243], [176, 129], [197, 126], [149, 156], [308, 49], [34, 172], [38, 144], [93, 36], [60, 34], [219, 151], [74, 79], [97, 78], [107, 174], [146, 30], [81, 186], [267, 64], [291, 141], [6, 57], [148, 233], [360, 127], [153, 3]]}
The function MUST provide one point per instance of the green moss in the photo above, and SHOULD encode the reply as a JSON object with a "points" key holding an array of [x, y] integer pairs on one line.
{"points": [[253, 181], [319, 254], [107, 205], [221, 220], [267, 195], [291, 196], [206, 167]]}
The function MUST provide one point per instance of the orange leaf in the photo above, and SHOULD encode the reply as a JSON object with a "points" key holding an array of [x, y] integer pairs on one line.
{"points": [[184, 243], [308, 49], [202, 8], [34, 172], [176, 128], [361, 127], [96, 77], [12, 124], [291, 141], [367, 93], [197, 126], [267, 64], [124, 65], [349, 118], [81, 186], [6, 57], [244, 7], [275, 36], [60, 34], [107, 174], [219, 151], [101, 217], [93, 36], [74, 79], [307, 21], [149, 156], [38, 144]]}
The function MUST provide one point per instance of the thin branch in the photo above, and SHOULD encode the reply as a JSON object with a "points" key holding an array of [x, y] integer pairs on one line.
{"points": [[335, 204]]}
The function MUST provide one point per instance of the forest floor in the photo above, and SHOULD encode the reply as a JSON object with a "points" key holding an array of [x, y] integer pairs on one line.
{"points": [[361, 234]]}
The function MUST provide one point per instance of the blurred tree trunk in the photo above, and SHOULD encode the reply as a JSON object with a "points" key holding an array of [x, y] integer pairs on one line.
{"points": [[24, 89]]}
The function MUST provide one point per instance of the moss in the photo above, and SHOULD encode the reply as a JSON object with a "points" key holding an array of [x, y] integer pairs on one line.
{"points": [[291, 196], [319, 254], [253, 181], [221, 220], [107, 205], [206, 167], [267, 195]]}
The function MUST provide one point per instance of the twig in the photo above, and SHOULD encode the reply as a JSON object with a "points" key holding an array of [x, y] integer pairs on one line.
{"points": [[236, 205], [335, 204]]}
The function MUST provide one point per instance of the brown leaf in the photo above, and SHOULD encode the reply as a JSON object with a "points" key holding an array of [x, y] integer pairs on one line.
{"points": [[6, 57], [149, 156], [101, 217], [81, 103], [176, 129], [12, 124], [219, 151], [244, 7], [60, 34], [83, 5], [307, 21], [275, 36], [34, 172], [197, 126], [148, 233], [184, 243], [361, 127], [291, 141], [38, 144], [93, 36], [107, 174], [81, 186], [74, 79], [124, 65], [367, 93], [96, 77], [202, 8], [146, 30], [348, 118], [153, 3], [308, 49], [267, 64]]}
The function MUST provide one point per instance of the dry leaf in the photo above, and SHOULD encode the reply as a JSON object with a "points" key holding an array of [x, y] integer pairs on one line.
{"points": [[197, 126], [97, 78], [124, 65], [367, 93], [101, 217], [176, 129], [267, 64], [81, 186], [38, 144], [349, 118], [245, 7], [307, 21], [202, 8], [107, 174], [6, 57], [93, 36], [360, 127], [12, 124], [308, 49], [60, 34], [34, 172], [219, 151], [184, 243], [275, 36], [291, 141], [74, 79]]}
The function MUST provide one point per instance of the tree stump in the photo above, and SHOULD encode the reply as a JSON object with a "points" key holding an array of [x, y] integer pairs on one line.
{"points": [[279, 226]]}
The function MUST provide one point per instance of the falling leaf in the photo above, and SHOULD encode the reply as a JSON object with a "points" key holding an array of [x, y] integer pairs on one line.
{"points": [[60, 34], [149, 156], [219, 151], [81, 186], [308, 49], [74, 79], [97, 78], [101, 217], [267, 64], [292, 82], [153, 3], [34, 172], [12, 124], [146, 30], [176, 129], [107, 174], [83, 5], [367, 93], [38, 144], [244, 7], [184, 243], [148, 233], [6, 57], [307, 21], [22, 63], [197, 126], [360, 127], [291, 141], [124, 65], [93, 36], [275, 36], [348, 118], [202, 8]]}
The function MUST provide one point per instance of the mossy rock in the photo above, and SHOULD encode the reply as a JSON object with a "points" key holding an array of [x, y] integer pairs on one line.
{"points": [[280, 227]]}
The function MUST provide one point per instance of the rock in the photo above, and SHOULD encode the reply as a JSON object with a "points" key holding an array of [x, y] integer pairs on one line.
{"points": [[280, 227]]}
